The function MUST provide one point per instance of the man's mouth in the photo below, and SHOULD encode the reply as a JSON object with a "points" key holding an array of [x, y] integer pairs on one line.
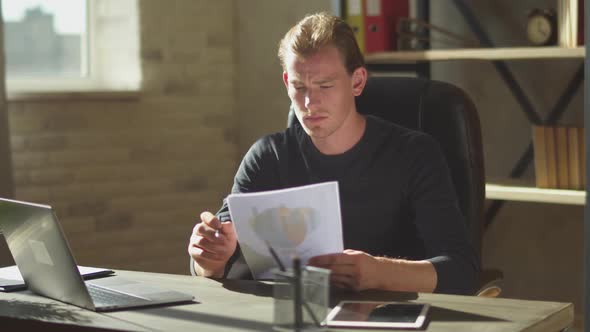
{"points": [[314, 118]]}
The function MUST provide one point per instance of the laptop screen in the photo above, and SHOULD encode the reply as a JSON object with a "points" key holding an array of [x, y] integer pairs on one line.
{"points": [[41, 252]]}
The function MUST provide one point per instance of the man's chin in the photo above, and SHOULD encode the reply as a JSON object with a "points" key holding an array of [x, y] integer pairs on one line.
{"points": [[317, 135], [312, 132]]}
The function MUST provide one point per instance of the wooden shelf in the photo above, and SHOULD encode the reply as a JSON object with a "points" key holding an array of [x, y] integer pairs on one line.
{"points": [[509, 53], [533, 194]]}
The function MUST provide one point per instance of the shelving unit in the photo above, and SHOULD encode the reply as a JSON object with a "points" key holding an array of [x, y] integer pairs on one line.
{"points": [[508, 191], [418, 63]]}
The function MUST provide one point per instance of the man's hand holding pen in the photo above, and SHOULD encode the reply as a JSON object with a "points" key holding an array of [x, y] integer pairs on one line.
{"points": [[211, 245]]}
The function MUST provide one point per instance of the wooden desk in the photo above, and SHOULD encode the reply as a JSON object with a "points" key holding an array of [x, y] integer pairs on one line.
{"points": [[231, 305]]}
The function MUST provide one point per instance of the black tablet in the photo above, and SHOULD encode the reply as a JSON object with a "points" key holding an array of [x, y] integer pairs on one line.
{"points": [[378, 314]]}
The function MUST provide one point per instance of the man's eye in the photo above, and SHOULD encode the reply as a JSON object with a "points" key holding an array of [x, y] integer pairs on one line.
{"points": [[299, 88], [325, 86]]}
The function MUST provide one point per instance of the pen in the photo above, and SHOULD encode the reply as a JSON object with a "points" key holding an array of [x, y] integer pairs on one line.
{"points": [[222, 218]]}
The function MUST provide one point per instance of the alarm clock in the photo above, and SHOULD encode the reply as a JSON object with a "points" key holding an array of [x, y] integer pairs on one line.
{"points": [[541, 27]]}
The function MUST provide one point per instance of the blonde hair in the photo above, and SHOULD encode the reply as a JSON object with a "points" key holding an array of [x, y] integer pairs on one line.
{"points": [[317, 31]]}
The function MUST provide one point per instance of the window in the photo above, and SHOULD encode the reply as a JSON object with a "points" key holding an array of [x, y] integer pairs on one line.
{"points": [[59, 45], [45, 39]]}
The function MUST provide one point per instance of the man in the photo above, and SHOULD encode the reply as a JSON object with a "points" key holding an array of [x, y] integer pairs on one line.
{"points": [[401, 221]]}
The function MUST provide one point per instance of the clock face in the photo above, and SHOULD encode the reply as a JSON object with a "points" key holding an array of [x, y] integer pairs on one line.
{"points": [[539, 29]]}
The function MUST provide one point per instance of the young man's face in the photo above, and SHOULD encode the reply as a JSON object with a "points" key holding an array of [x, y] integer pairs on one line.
{"points": [[322, 92]]}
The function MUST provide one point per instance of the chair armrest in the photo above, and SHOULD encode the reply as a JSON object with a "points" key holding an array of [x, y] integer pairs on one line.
{"points": [[490, 283]]}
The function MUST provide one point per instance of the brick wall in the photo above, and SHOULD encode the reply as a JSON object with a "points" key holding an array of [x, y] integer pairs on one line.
{"points": [[128, 178]]}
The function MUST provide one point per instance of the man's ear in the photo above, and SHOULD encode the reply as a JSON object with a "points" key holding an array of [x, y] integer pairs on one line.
{"points": [[286, 79], [359, 79]]}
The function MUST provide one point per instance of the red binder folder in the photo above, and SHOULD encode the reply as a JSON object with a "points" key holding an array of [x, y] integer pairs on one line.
{"points": [[381, 17]]}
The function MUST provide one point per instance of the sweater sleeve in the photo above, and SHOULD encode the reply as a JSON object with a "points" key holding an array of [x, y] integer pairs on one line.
{"points": [[258, 171], [439, 220]]}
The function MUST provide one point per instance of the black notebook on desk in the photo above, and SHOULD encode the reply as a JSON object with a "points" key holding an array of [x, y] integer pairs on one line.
{"points": [[11, 279]]}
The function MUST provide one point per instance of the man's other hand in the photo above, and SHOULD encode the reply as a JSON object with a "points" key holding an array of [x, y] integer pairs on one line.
{"points": [[351, 269], [211, 245]]}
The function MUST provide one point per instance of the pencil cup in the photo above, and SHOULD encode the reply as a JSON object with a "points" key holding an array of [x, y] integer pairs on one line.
{"points": [[308, 311]]}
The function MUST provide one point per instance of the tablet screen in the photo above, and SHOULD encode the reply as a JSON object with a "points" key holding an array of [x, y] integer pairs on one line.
{"points": [[378, 314]]}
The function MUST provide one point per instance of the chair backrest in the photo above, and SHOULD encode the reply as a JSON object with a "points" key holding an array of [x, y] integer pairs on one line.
{"points": [[446, 113]]}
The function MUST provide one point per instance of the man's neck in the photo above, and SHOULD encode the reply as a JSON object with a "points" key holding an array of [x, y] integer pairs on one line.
{"points": [[345, 138]]}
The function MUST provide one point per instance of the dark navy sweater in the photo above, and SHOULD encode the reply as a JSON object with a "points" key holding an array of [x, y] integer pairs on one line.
{"points": [[397, 198]]}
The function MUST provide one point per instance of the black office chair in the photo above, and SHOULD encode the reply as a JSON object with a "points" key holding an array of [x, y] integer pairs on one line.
{"points": [[446, 113]]}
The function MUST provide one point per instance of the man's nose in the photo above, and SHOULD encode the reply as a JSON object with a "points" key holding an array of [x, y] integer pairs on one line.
{"points": [[311, 99]]}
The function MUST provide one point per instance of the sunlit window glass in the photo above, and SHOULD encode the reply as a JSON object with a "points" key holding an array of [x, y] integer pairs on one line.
{"points": [[45, 38]]}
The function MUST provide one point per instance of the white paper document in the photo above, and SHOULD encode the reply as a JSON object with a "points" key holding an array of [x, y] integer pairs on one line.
{"points": [[303, 221], [12, 272], [11, 279]]}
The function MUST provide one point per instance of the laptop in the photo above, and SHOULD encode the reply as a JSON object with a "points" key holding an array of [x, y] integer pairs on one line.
{"points": [[43, 256]]}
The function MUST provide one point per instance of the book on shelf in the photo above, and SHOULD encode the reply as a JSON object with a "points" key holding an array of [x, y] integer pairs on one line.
{"points": [[582, 153], [354, 16], [559, 157], [381, 18], [567, 22], [581, 22], [551, 157], [561, 151], [574, 159], [540, 153]]}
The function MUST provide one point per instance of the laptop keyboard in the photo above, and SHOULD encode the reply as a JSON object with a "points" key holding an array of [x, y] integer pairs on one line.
{"points": [[103, 297]]}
